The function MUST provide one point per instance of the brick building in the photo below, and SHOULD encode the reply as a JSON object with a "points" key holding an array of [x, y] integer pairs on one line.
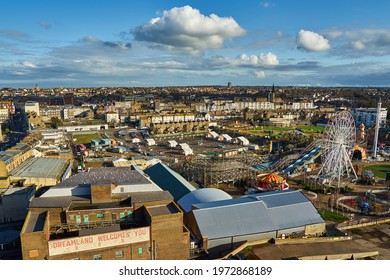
{"points": [[107, 213]]}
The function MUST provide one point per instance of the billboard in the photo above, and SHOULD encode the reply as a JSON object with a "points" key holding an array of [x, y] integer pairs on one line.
{"points": [[97, 241]]}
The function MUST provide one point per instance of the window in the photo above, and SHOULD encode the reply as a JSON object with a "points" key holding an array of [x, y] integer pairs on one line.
{"points": [[121, 215], [97, 257], [71, 217], [140, 251], [99, 215], [119, 254]]}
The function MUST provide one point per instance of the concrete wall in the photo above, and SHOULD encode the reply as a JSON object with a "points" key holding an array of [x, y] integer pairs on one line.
{"points": [[14, 207], [315, 229]]}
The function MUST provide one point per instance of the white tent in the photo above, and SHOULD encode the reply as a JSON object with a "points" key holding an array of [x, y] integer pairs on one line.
{"points": [[151, 142]]}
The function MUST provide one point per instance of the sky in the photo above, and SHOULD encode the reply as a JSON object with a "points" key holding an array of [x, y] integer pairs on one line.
{"points": [[178, 43]]}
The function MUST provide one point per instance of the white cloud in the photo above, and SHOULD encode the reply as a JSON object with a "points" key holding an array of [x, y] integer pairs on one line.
{"points": [[260, 74], [185, 28], [311, 41], [361, 42], [358, 45], [28, 64], [265, 4], [262, 59]]}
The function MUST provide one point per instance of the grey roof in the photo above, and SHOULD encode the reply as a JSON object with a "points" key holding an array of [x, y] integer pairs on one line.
{"points": [[36, 222], [202, 196], [255, 214], [106, 175], [169, 180], [126, 180], [41, 167], [163, 209], [56, 202]]}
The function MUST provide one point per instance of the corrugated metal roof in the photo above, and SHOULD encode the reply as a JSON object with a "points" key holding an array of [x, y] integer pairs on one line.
{"points": [[169, 180], [249, 215], [202, 196], [41, 167]]}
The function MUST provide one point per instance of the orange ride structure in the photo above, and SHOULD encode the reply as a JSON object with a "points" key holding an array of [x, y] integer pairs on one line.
{"points": [[271, 181]]}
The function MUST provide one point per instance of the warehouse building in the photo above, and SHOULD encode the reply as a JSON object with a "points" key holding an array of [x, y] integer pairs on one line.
{"points": [[41, 171], [107, 213], [202, 196], [222, 225], [11, 159]]}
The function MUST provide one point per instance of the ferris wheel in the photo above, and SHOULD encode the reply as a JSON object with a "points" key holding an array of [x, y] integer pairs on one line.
{"points": [[338, 144]]}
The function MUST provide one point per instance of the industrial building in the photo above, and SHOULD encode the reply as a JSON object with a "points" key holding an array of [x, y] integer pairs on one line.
{"points": [[221, 225], [41, 171], [11, 159], [106, 213]]}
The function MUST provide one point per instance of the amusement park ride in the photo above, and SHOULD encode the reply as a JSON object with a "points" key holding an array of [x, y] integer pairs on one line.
{"points": [[337, 149]]}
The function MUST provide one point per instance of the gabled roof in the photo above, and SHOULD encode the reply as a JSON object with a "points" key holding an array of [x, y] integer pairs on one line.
{"points": [[255, 214], [169, 180]]}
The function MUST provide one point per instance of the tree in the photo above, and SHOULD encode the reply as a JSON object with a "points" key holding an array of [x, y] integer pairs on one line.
{"points": [[54, 122]]}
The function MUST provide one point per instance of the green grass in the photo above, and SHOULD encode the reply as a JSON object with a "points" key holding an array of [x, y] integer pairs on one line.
{"points": [[85, 138], [311, 128], [379, 169], [332, 216], [304, 128]]}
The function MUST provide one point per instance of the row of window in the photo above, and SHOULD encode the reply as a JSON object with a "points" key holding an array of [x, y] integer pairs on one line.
{"points": [[100, 216], [118, 254]]}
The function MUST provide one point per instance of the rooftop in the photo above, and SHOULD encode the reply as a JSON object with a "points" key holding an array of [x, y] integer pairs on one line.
{"points": [[36, 222], [106, 175], [41, 167], [163, 209], [169, 180], [255, 213]]}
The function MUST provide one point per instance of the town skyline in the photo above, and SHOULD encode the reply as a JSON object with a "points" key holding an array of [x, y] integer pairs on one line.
{"points": [[178, 43]]}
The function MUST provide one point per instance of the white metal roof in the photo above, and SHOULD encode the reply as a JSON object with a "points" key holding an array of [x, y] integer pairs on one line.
{"points": [[243, 140], [151, 141], [227, 137], [255, 214], [172, 143], [202, 196], [214, 134]]}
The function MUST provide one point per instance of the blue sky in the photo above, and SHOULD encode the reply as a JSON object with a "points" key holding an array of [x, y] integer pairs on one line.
{"points": [[163, 43]]}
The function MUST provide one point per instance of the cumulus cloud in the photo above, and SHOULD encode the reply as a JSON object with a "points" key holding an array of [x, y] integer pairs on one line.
{"points": [[260, 74], [262, 59], [311, 41], [93, 40], [185, 28], [361, 42], [358, 45]]}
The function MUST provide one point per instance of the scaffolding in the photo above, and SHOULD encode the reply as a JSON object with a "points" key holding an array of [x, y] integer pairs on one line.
{"points": [[212, 171]]}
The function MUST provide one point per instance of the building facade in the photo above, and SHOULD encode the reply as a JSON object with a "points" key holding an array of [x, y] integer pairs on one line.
{"points": [[367, 116], [121, 214]]}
